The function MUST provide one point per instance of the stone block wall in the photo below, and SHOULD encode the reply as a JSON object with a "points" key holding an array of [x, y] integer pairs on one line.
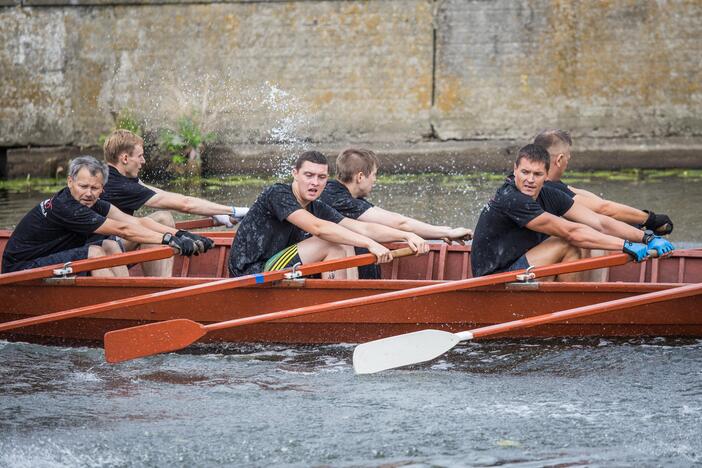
{"points": [[340, 71]]}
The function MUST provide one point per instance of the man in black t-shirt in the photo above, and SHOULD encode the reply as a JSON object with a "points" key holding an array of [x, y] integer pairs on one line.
{"points": [[287, 224], [529, 224], [356, 171], [58, 229], [124, 153], [558, 143]]}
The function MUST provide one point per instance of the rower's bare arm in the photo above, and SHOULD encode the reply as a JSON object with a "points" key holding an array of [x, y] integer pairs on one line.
{"points": [[604, 224], [164, 200], [619, 211], [403, 223], [130, 231], [382, 233], [576, 234], [327, 230], [118, 215]]}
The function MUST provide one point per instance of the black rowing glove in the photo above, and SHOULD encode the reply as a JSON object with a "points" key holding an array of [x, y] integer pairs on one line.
{"points": [[182, 245], [658, 223], [203, 243]]}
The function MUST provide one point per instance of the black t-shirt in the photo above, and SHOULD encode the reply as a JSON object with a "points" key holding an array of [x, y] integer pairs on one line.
{"points": [[264, 231], [559, 185], [337, 196], [501, 236], [54, 225], [126, 193]]}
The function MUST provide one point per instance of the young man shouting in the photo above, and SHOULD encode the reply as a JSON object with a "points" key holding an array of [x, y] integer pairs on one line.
{"points": [[288, 224]]}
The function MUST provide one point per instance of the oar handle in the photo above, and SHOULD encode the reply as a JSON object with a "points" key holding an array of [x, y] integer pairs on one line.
{"points": [[404, 252], [202, 223]]}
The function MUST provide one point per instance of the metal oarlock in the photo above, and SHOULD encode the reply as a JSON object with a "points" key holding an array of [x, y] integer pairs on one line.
{"points": [[64, 271], [527, 276], [295, 273]]}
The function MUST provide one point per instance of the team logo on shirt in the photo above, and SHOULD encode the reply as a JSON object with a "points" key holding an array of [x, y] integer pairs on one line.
{"points": [[45, 206]]}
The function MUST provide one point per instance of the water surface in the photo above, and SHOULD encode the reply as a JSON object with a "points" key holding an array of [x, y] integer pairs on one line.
{"points": [[575, 402]]}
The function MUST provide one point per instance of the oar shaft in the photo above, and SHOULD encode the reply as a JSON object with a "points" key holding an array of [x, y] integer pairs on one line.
{"points": [[89, 264], [204, 288], [195, 224], [593, 309], [499, 278]]}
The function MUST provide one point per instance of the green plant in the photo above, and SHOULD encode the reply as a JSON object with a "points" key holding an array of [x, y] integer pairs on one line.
{"points": [[125, 120], [186, 143]]}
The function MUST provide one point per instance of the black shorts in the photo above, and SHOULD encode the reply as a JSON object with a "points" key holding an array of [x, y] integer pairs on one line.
{"points": [[65, 256]]}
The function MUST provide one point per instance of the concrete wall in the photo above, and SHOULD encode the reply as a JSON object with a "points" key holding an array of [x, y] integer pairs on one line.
{"points": [[377, 70]]}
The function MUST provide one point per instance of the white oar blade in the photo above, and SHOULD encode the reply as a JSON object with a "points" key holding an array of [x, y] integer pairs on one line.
{"points": [[402, 350]]}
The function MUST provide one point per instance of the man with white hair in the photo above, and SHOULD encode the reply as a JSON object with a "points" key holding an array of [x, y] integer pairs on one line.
{"points": [[58, 229]]}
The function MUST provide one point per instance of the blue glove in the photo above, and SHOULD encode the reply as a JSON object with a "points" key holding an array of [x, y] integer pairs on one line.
{"points": [[637, 251], [660, 245]]}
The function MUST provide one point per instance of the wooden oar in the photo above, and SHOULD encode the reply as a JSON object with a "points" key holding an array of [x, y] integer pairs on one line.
{"points": [[171, 335], [204, 288], [89, 264], [425, 345], [195, 224]]}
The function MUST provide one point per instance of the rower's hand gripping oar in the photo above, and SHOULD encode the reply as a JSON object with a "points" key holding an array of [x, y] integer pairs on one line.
{"points": [[88, 264], [171, 335]]}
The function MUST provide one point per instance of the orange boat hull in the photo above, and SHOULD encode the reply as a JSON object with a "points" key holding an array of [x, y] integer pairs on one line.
{"points": [[454, 311]]}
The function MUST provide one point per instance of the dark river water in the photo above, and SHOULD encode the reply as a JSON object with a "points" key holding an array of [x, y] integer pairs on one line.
{"points": [[570, 402], [557, 402]]}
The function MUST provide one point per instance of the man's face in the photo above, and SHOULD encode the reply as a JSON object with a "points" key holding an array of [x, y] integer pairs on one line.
{"points": [[529, 177], [310, 180], [131, 163], [85, 188], [366, 183]]}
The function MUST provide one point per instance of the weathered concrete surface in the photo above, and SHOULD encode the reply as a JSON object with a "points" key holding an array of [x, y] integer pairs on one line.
{"points": [[254, 72], [466, 156], [400, 71], [446, 157], [507, 68], [35, 98], [41, 162]]}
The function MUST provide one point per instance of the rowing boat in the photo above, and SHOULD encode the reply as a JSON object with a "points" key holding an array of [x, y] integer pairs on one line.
{"points": [[451, 311]]}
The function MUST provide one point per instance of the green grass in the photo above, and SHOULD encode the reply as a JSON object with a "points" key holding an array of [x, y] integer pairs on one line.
{"points": [[47, 185], [32, 185]]}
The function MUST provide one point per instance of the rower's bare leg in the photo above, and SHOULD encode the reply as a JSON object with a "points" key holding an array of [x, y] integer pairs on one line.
{"points": [[162, 268], [315, 249], [108, 247], [554, 250], [598, 275], [351, 273]]}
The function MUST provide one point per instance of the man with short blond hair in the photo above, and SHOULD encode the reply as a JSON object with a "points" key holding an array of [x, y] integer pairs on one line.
{"points": [[356, 172], [124, 153]]}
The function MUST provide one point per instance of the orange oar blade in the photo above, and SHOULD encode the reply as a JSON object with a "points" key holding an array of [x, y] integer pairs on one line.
{"points": [[154, 338]]}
